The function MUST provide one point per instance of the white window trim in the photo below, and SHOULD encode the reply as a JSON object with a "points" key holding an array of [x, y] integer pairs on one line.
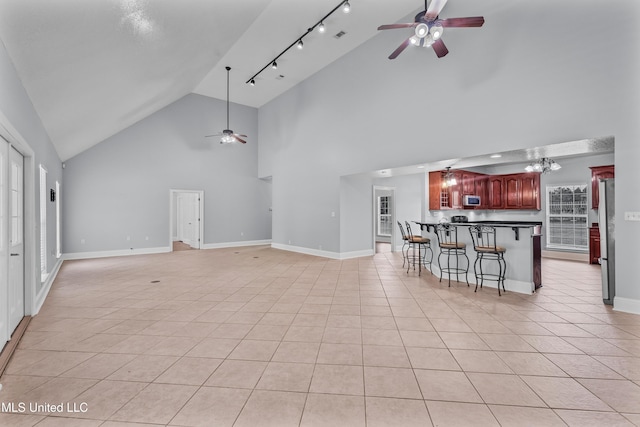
{"points": [[43, 224], [380, 215], [548, 215], [58, 219]]}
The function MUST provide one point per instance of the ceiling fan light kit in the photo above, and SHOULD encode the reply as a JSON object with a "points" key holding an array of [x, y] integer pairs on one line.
{"points": [[346, 8], [227, 136], [428, 28]]}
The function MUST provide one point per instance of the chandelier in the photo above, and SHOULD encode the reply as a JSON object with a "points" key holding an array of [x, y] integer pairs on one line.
{"points": [[544, 165], [449, 179]]}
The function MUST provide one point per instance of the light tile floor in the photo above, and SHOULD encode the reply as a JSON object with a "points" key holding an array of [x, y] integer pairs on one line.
{"points": [[261, 337]]}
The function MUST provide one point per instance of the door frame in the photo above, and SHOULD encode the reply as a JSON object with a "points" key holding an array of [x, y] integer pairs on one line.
{"points": [[375, 215], [172, 206], [31, 297]]}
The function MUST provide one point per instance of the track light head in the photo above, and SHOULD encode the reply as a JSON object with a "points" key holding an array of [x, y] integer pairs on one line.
{"points": [[274, 65], [321, 28], [300, 45], [252, 82], [346, 7]]}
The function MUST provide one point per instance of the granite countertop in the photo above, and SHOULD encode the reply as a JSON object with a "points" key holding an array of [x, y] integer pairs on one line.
{"points": [[518, 224]]}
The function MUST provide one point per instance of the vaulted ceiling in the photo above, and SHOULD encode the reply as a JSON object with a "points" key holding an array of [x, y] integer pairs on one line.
{"points": [[93, 68]]}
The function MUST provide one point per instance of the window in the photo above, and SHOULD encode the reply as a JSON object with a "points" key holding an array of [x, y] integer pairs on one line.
{"points": [[384, 216], [43, 222], [567, 217]]}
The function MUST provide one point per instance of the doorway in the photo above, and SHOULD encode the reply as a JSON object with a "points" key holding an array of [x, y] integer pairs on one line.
{"points": [[12, 248], [186, 219], [384, 218]]}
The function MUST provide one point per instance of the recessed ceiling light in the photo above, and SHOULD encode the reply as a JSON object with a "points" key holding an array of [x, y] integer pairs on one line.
{"points": [[496, 156]]}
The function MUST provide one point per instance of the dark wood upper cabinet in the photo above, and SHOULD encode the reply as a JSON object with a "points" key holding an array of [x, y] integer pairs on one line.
{"points": [[530, 191], [496, 192], [435, 188], [482, 190], [513, 191], [597, 173], [512, 187], [469, 183]]}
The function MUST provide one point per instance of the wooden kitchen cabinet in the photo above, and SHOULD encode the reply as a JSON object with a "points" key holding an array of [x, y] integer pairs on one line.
{"points": [[512, 191], [594, 245], [469, 183], [496, 192], [482, 190], [597, 173], [522, 191], [530, 191]]}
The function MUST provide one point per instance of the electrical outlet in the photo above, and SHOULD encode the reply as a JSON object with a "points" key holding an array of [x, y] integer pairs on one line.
{"points": [[632, 216]]}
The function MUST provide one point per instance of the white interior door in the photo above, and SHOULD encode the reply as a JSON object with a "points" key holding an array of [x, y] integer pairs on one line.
{"points": [[189, 214], [16, 239], [5, 333]]}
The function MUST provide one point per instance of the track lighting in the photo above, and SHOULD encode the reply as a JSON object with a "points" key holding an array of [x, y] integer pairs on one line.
{"points": [[344, 5]]}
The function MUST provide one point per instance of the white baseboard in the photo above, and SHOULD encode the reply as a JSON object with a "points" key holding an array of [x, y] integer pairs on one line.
{"points": [[322, 253], [119, 252], [569, 256], [236, 244], [626, 305], [46, 287]]}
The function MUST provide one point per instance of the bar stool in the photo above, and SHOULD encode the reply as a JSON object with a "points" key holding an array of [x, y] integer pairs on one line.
{"points": [[484, 243], [405, 242], [423, 244], [447, 235]]}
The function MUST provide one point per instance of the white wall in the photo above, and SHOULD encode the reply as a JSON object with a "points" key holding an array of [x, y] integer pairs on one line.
{"points": [[505, 86], [120, 187]]}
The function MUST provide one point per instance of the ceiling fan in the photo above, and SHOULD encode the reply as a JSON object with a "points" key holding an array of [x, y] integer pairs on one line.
{"points": [[228, 136], [428, 28]]}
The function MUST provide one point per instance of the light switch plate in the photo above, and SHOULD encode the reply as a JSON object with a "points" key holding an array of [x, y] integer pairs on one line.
{"points": [[632, 216]]}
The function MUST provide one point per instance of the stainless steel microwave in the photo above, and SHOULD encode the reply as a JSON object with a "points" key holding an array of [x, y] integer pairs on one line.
{"points": [[471, 201]]}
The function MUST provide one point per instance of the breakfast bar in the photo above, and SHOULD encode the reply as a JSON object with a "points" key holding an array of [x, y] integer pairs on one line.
{"points": [[523, 251]]}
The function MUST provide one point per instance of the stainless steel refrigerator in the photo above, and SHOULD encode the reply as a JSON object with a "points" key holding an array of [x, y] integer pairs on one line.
{"points": [[607, 223]]}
